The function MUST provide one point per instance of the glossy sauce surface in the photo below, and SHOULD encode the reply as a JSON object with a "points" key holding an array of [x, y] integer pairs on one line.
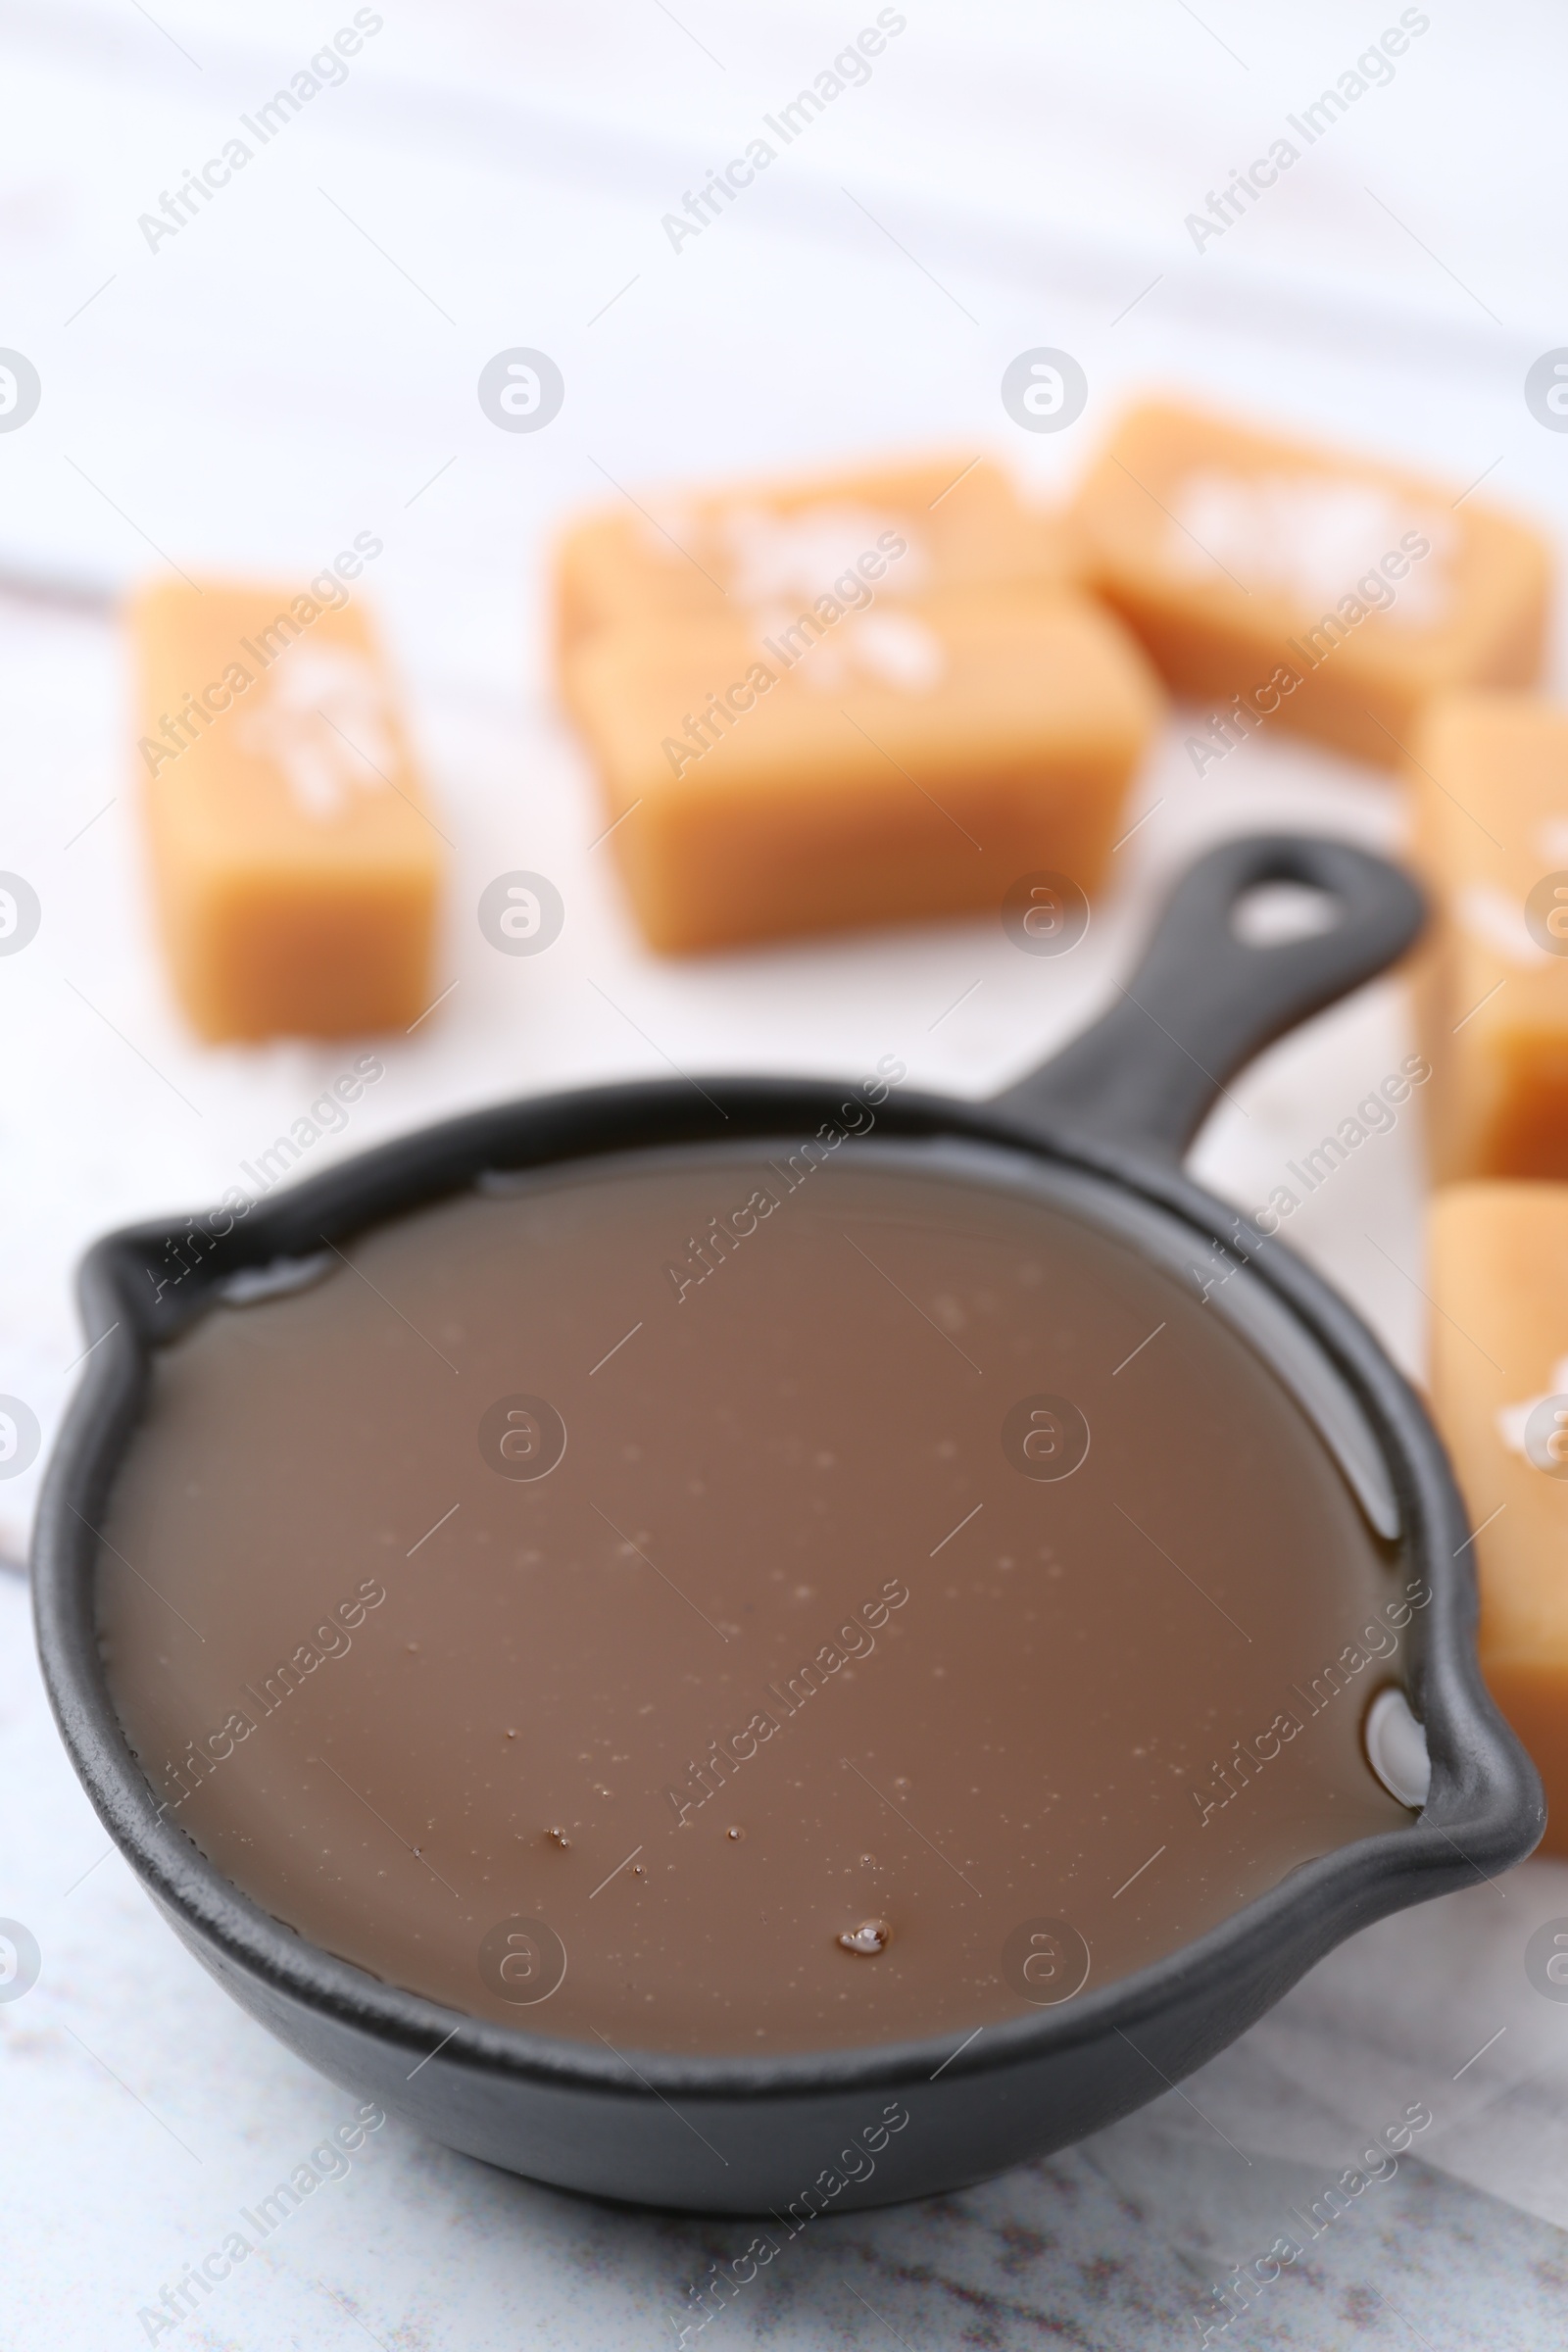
{"points": [[800, 1700]]}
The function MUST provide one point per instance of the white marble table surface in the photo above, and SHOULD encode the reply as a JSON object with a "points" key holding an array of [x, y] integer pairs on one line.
{"points": [[274, 381]]}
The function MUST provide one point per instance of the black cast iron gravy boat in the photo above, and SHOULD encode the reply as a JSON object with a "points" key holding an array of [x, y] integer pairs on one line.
{"points": [[1107, 1120]]}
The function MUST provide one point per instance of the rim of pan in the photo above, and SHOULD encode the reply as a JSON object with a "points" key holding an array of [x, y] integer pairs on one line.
{"points": [[1485, 1810]]}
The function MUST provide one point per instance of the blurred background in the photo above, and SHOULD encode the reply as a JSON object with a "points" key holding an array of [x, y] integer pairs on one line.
{"points": [[298, 365]]}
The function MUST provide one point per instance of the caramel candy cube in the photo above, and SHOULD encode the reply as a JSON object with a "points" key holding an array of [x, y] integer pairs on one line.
{"points": [[891, 765], [768, 548], [1491, 778], [1498, 1276], [296, 870], [1277, 583]]}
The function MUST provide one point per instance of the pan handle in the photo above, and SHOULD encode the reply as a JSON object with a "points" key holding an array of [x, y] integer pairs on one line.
{"points": [[1203, 1001]]}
